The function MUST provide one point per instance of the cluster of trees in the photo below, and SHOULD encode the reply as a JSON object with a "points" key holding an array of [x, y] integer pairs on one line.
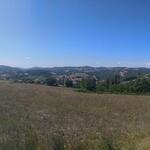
{"points": [[69, 83], [138, 85], [135, 84], [88, 84], [50, 81]]}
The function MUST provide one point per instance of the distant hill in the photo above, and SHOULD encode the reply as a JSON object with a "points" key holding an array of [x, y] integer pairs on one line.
{"points": [[101, 73]]}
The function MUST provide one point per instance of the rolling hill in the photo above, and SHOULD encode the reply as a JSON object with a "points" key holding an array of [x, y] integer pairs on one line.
{"points": [[39, 117], [101, 73]]}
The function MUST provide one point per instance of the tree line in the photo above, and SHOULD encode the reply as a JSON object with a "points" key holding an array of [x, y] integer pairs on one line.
{"points": [[135, 84]]}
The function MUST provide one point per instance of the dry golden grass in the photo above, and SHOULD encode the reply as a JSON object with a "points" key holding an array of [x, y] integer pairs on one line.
{"points": [[83, 119]]}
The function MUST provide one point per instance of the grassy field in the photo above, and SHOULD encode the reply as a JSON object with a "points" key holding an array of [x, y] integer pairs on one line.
{"points": [[36, 117]]}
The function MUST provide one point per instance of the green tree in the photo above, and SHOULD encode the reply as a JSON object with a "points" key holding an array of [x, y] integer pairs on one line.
{"points": [[68, 83], [117, 79], [101, 87], [51, 81], [88, 84], [108, 84]]}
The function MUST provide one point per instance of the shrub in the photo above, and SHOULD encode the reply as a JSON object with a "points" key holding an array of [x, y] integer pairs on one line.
{"points": [[69, 83]]}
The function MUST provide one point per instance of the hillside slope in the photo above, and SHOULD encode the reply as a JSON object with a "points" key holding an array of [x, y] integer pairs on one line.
{"points": [[90, 118]]}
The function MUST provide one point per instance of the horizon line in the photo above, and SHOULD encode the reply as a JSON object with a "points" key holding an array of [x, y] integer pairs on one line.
{"points": [[78, 66]]}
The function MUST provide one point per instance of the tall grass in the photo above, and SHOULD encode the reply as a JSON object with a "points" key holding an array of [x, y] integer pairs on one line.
{"points": [[32, 115], [32, 140]]}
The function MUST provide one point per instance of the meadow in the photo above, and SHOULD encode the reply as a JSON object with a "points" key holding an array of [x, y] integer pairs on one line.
{"points": [[37, 117]]}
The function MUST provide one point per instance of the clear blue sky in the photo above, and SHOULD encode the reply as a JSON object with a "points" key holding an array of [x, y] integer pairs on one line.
{"points": [[75, 33]]}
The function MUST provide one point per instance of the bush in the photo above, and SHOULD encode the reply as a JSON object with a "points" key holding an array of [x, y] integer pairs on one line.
{"points": [[88, 84], [51, 81], [100, 87], [69, 83]]}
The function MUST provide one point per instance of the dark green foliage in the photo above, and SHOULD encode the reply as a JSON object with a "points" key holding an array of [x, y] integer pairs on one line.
{"points": [[139, 85], [101, 87], [51, 81], [68, 83], [88, 84], [117, 79], [142, 85], [108, 84], [120, 88], [130, 78]]}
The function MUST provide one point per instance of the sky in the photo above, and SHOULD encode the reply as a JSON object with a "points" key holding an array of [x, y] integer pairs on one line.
{"points": [[48, 33]]}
